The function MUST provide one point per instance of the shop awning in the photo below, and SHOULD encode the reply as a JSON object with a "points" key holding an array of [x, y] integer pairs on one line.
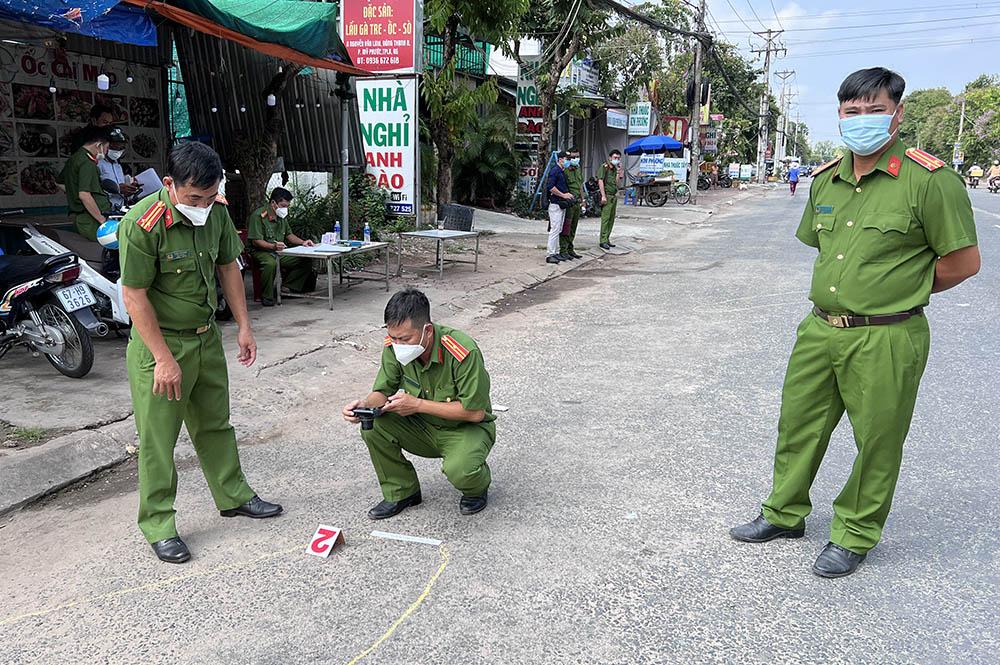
{"points": [[301, 32]]}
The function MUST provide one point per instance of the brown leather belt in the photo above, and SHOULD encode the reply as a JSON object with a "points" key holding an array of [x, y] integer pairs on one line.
{"points": [[856, 320], [200, 330]]}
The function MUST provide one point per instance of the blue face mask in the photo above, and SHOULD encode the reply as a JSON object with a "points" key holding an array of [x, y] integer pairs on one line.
{"points": [[866, 134]]}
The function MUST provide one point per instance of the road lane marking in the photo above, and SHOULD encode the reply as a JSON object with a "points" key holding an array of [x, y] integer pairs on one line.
{"points": [[987, 212], [409, 610]]}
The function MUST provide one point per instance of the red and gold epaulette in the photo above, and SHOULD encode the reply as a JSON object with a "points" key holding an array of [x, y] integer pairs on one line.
{"points": [[388, 341], [221, 199], [925, 159], [149, 218], [263, 213], [823, 167], [454, 348], [169, 219]]}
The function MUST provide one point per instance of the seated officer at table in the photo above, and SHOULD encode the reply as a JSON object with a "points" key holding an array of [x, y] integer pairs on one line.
{"points": [[434, 393], [85, 198], [269, 232]]}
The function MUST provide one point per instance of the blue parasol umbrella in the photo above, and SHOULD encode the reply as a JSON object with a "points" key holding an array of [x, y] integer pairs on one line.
{"points": [[653, 144]]}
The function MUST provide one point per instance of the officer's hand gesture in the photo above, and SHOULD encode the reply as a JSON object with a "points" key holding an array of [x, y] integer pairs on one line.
{"points": [[348, 411], [248, 347], [403, 404], [167, 379]]}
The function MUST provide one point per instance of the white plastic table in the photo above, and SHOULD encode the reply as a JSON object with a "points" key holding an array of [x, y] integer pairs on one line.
{"points": [[335, 254], [440, 235]]}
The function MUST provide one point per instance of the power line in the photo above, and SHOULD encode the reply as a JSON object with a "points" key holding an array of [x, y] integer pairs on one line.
{"points": [[887, 49], [776, 17], [894, 24], [737, 15], [880, 12], [881, 35], [754, 12]]}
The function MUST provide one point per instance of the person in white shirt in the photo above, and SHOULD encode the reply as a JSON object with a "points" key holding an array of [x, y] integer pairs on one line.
{"points": [[113, 179]]}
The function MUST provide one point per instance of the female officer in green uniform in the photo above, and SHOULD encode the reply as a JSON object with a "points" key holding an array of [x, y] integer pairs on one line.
{"points": [[172, 244], [85, 198], [892, 226]]}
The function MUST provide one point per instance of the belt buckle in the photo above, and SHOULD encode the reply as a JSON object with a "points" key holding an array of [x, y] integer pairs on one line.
{"points": [[841, 321], [201, 330]]}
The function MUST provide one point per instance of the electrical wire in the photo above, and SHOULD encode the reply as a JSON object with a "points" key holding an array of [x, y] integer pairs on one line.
{"points": [[754, 12], [776, 17], [944, 44], [879, 12], [737, 15], [884, 25], [882, 35]]}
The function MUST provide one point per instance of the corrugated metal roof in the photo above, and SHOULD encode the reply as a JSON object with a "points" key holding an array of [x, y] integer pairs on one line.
{"points": [[228, 76]]}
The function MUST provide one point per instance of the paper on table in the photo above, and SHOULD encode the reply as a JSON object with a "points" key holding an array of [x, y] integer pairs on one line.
{"points": [[149, 183], [316, 249]]}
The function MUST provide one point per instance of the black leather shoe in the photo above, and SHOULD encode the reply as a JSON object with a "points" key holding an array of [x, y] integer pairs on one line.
{"points": [[605, 245], [761, 531], [552, 259], [837, 561], [611, 244], [267, 302], [575, 255], [567, 257], [390, 508], [470, 505], [171, 550], [255, 507]]}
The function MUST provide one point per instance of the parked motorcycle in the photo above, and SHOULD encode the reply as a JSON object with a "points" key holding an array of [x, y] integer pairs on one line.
{"points": [[704, 182], [725, 181], [46, 309]]}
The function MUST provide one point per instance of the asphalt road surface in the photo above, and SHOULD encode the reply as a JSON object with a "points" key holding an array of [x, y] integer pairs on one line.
{"points": [[643, 396]]}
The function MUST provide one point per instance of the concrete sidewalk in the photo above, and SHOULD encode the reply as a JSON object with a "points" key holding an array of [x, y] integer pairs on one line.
{"points": [[83, 426]]}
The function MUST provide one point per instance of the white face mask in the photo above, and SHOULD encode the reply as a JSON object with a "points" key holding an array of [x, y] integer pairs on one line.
{"points": [[407, 353], [115, 155], [197, 216], [281, 212]]}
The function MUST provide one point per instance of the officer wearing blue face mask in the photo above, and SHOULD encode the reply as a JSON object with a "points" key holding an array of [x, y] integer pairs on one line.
{"points": [[434, 393]]}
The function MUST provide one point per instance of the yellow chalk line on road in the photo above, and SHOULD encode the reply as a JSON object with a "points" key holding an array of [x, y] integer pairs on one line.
{"points": [[445, 555], [152, 586]]}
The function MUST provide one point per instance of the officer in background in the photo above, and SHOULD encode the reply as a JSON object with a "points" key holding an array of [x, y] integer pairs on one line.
{"points": [[172, 243], [113, 178], [434, 393], [609, 179], [85, 198], [574, 179], [269, 232], [892, 226]]}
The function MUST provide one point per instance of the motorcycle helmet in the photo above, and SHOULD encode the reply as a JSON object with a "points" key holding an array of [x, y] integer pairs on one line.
{"points": [[107, 234]]}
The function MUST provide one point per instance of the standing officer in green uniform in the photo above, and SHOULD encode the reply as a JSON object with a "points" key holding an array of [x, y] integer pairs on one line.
{"points": [[609, 179], [172, 243], [574, 179], [85, 198], [268, 231], [892, 226], [443, 410]]}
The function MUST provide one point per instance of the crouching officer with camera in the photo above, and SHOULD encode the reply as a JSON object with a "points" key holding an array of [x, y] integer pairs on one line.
{"points": [[172, 243], [432, 399]]}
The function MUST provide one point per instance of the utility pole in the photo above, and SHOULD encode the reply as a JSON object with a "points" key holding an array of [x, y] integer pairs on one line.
{"points": [[781, 134], [958, 144], [695, 124], [770, 47]]}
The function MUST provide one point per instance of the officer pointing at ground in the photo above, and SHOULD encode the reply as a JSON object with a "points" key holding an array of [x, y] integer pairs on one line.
{"points": [[172, 243], [892, 226], [434, 394]]}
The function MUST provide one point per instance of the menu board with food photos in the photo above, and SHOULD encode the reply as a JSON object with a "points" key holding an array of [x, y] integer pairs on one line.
{"points": [[38, 126]]}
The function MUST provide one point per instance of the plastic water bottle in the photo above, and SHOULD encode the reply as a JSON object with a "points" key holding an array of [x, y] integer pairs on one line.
{"points": [[368, 234], [336, 230]]}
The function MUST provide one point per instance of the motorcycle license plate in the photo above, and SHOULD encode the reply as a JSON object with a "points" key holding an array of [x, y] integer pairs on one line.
{"points": [[76, 296]]}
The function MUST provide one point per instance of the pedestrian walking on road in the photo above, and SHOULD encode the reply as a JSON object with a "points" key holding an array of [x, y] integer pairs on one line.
{"points": [[574, 179], [892, 226], [560, 200], [434, 395], [609, 178], [793, 178], [172, 244]]}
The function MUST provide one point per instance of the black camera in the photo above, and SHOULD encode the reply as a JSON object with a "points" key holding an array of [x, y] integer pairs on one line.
{"points": [[367, 417]]}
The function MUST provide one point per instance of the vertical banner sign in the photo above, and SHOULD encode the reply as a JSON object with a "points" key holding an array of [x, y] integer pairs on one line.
{"points": [[388, 112], [529, 109], [381, 35], [640, 119]]}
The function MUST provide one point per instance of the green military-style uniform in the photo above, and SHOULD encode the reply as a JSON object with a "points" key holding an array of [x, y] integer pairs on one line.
{"points": [[297, 272], [176, 261], [609, 174], [879, 239], [574, 180], [80, 174], [455, 373]]}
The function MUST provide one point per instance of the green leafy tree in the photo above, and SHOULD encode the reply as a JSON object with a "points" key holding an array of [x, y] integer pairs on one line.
{"points": [[920, 106], [565, 29], [932, 119], [487, 166], [451, 99], [824, 151]]}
